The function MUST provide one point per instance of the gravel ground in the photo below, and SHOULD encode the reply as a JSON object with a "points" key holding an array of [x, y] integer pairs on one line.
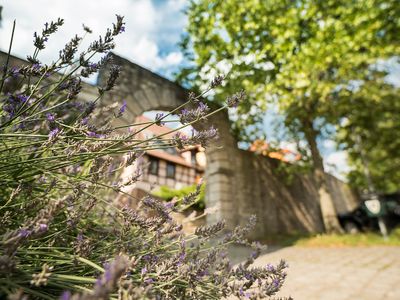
{"points": [[346, 273]]}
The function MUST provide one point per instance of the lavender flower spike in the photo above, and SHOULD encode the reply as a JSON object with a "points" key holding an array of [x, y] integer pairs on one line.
{"points": [[50, 117], [53, 134], [235, 99], [123, 107]]}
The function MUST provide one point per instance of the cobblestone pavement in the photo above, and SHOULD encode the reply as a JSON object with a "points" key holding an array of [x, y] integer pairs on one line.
{"points": [[360, 273]]}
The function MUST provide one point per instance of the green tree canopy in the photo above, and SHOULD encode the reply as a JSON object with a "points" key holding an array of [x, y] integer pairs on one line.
{"points": [[370, 133], [296, 54]]}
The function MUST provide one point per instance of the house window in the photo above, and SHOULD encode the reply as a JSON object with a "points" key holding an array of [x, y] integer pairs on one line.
{"points": [[170, 170], [153, 167], [193, 157], [171, 151]]}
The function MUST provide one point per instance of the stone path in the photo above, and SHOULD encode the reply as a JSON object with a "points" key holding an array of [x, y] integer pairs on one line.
{"points": [[339, 273]]}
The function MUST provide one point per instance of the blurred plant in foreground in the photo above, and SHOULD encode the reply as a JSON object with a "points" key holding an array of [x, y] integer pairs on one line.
{"points": [[61, 236]]}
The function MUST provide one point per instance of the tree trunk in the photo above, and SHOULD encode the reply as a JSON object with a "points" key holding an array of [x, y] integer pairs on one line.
{"points": [[328, 211]]}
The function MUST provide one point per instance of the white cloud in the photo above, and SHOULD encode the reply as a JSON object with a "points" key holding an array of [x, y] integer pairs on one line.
{"points": [[146, 53], [174, 58], [336, 163], [172, 124], [292, 146], [329, 144], [149, 27]]}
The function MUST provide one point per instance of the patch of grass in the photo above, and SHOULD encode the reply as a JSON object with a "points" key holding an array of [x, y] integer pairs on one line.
{"points": [[347, 240], [335, 240], [168, 194]]}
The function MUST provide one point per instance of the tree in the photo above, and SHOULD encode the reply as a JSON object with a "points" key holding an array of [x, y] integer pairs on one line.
{"points": [[370, 134], [294, 53]]}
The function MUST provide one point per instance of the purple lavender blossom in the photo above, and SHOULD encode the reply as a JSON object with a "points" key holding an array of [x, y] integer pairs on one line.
{"points": [[107, 273], [158, 119], [188, 116], [169, 205], [147, 258], [74, 87], [217, 81], [43, 227], [254, 254], [107, 283], [79, 237], [235, 99], [275, 283], [22, 98], [203, 106], [123, 107], [270, 268], [202, 137], [119, 26], [24, 233], [203, 273], [36, 67], [180, 140], [91, 134], [84, 121], [94, 134], [157, 206], [181, 258], [66, 295], [50, 117], [13, 103], [53, 133], [63, 86], [14, 72]]}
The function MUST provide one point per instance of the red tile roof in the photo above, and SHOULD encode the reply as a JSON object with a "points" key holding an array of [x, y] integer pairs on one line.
{"points": [[158, 130], [172, 158]]}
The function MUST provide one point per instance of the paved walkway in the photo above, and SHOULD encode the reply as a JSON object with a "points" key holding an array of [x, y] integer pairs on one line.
{"points": [[339, 273]]}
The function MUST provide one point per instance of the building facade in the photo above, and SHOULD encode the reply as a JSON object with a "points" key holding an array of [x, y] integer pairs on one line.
{"points": [[165, 167]]}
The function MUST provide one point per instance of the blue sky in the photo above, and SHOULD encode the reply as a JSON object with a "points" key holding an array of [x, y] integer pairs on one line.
{"points": [[153, 30]]}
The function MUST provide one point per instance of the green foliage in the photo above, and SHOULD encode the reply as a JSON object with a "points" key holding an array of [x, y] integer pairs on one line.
{"points": [[295, 55], [370, 134], [168, 194], [293, 52]]}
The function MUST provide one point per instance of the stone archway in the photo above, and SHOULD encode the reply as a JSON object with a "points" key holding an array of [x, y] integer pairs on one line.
{"points": [[143, 91]]}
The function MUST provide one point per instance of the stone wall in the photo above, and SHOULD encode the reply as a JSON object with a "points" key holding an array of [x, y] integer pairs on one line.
{"points": [[242, 183]]}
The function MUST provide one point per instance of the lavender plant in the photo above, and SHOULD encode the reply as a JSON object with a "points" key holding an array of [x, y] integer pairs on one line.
{"points": [[61, 235]]}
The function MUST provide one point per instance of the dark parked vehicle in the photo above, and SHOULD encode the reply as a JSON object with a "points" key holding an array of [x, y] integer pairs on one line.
{"points": [[365, 216]]}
